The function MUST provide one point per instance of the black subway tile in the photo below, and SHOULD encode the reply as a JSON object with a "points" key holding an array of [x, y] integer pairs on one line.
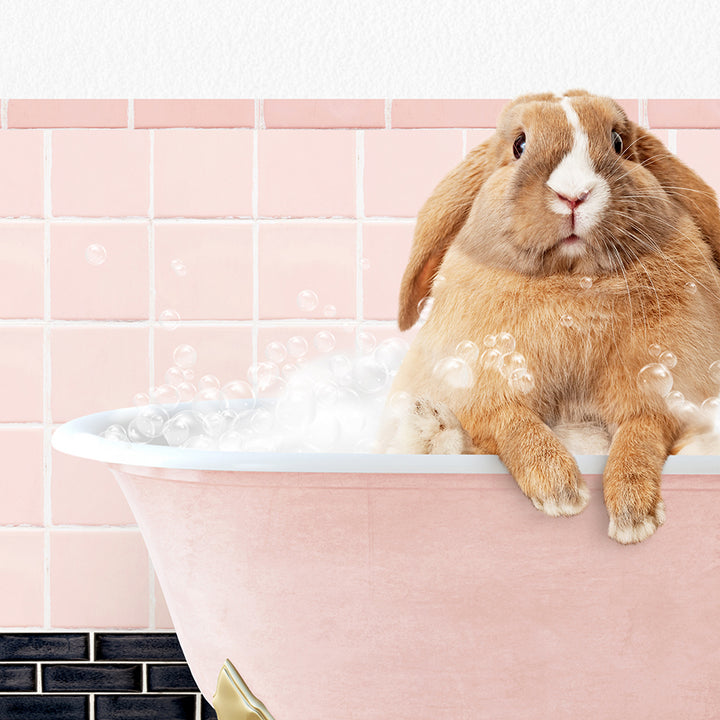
{"points": [[138, 646], [44, 646], [43, 707], [17, 678], [92, 678], [161, 678], [207, 711], [145, 707]]}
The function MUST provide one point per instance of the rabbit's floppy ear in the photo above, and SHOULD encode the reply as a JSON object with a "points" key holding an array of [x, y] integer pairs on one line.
{"points": [[438, 222], [682, 184]]}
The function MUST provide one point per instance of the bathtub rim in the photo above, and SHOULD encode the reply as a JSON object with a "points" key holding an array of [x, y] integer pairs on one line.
{"points": [[81, 437]]}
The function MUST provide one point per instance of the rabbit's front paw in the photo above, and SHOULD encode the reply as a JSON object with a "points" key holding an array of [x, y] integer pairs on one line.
{"points": [[565, 499], [633, 526], [428, 427]]}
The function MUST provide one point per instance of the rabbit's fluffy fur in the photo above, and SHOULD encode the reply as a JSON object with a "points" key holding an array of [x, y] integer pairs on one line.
{"points": [[567, 187]]}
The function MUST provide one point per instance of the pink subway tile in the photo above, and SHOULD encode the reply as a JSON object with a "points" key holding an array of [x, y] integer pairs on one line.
{"points": [[21, 577], [98, 579], [204, 272], [96, 368], [163, 621], [203, 173], [476, 137], [386, 248], [100, 173], [662, 135], [67, 113], [631, 108], [194, 113], [21, 179], [324, 113], [86, 493], [297, 257], [225, 352], [21, 481], [116, 289], [683, 113], [21, 374], [700, 150], [22, 271], [402, 167], [446, 113], [304, 173]]}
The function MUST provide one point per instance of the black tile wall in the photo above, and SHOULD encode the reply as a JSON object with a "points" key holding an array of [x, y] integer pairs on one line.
{"points": [[18, 678], [44, 646], [170, 677], [105, 675]]}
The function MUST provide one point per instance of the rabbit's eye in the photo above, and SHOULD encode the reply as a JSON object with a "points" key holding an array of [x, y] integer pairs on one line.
{"points": [[617, 142], [519, 145]]}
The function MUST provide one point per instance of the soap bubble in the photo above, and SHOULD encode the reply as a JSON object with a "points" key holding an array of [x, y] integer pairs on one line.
{"points": [[491, 358], [366, 342], [188, 374], [276, 352], [399, 403], [490, 341], [95, 254], [141, 399], [262, 420], [150, 420], [439, 280], [522, 380], [209, 400], [714, 371], [341, 368], [668, 359], [135, 435], [566, 320], [654, 350], [200, 442], [307, 300], [169, 319], [326, 393], [178, 267], [174, 375], [586, 282], [655, 379], [505, 343], [510, 362], [186, 391], [209, 381], [185, 356], [454, 371], [297, 346], [690, 288], [329, 311], [215, 423], [468, 351], [180, 427], [390, 353], [324, 341], [365, 264], [230, 440], [165, 395], [424, 308], [369, 375], [288, 369], [116, 433], [239, 390]]}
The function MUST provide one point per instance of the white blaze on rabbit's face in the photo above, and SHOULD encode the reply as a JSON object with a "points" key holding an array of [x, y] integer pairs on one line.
{"points": [[580, 192]]}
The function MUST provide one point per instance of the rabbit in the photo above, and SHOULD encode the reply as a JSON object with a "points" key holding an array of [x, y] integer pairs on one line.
{"points": [[575, 235]]}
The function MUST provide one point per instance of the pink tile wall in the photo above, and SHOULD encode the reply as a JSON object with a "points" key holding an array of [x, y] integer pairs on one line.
{"points": [[257, 200]]}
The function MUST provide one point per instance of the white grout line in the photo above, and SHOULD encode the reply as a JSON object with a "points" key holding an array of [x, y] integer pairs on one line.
{"points": [[643, 120], [131, 114], [672, 141], [360, 212], [152, 299], [464, 142], [140, 219], [4, 114], [259, 122]]}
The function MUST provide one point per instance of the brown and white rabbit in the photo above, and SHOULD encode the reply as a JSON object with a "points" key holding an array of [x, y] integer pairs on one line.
{"points": [[576, 232]]}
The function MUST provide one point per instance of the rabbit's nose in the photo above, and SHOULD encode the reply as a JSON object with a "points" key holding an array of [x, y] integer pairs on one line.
{"points": [[573, 202]]}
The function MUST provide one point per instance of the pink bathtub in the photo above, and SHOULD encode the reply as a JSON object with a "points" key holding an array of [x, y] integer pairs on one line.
{"points": [[365, 587]]}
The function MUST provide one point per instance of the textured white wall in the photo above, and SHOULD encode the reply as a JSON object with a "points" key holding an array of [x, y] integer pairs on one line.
{"points": [[357, 48]]}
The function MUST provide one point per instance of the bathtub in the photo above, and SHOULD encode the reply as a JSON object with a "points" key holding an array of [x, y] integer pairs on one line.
{"points": [[365, 587]]}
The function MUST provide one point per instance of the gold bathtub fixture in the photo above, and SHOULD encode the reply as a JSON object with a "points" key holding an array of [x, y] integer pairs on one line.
{"points": [[233, 700]]}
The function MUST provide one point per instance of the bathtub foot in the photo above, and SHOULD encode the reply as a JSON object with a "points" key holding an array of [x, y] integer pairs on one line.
{"points": [[233, 700]]}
